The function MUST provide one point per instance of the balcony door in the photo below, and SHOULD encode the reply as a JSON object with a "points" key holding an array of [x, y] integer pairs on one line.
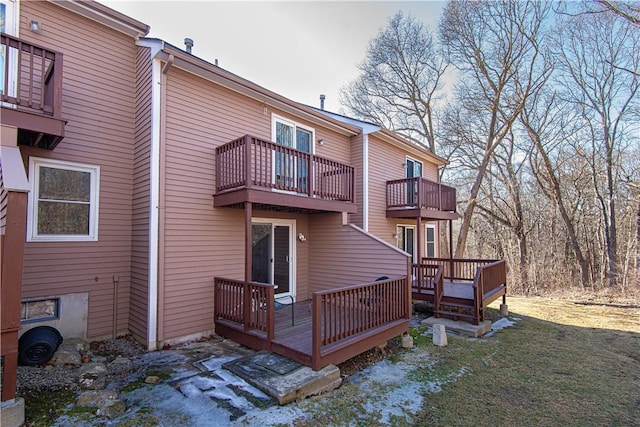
{"points": [[406, 236], [273, 254], [414, 170], [290, 170], [8, 56]]}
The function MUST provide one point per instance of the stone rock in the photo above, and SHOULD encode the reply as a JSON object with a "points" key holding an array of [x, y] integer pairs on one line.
{"points": [[106, 401], [117, 408], [78, 343], [97, 398], [121, 360], [152, 379], [407, 341], [439, 335], [92, 376], [66, 356]]}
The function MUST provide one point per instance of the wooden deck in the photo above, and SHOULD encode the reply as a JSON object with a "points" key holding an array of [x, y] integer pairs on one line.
{"points": [[459, 288], [275, 177], [329, 329]]}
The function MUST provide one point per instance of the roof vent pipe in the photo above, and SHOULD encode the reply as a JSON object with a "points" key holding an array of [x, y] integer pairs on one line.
{"points": [[189, 44], [322, 102]]}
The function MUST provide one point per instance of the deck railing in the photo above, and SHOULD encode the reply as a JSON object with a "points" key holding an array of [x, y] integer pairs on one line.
{"points": [[342, 313], [250, 304], [253, 162], [458, 269], [30, 76], [420, 193]]}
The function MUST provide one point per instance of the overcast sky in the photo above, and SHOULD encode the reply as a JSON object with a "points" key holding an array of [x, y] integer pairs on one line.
{"points": [[297, 49]]}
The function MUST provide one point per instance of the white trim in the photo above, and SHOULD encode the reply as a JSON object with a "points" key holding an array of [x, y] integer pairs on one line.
{"points": [[154, 205], [12, 17], [32, 201], [409, 158], [293, 259], [435, 240], [379, 240], [365, 182], [14, 177], [404, 239], [276, 118]]}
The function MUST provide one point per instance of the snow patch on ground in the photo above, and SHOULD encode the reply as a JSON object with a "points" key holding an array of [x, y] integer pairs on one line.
{"points": [[499, 325]]}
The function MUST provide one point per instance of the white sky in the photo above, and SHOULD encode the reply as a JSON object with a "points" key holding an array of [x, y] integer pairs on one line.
{"points": [[296, 49]]}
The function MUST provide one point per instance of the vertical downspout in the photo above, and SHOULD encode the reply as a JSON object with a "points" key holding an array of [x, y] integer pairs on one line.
{"points": [[154, 202], [365, 182]]}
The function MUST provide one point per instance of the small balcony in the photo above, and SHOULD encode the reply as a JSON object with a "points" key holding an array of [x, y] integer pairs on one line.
{"points": [[419, 197], [31, 92], [276, 177]]}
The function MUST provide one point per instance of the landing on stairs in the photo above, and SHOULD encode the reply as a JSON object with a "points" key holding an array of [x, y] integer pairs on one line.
{"points": [[283, 378], [459, 326]]}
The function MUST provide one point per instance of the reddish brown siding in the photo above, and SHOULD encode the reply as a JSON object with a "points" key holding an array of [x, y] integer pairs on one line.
{"points": [[141, 203], [386, 162], [201, 242], [3, 204], [99, 104], [345, 255], [357, 163]]}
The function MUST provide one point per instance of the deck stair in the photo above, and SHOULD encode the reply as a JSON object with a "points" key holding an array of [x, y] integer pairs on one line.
{"points": [[459, 288]]}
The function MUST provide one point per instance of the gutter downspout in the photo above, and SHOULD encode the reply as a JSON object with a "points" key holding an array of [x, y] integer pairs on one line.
{"points": [[154, 205], [365, 182]]}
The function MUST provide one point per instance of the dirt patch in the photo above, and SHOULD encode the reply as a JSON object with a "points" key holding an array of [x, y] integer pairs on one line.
{"points": [[369, 357]]}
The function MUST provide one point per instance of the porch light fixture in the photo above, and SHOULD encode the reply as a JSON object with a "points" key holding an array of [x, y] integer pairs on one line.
{"points": [[321, 141], [302, 237], [35, 26]]}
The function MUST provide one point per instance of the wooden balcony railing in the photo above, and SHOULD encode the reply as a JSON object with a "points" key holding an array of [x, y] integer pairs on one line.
{"points": [[459, 269], [250, 162], [30, 76], [420, 193], [250, 304]]}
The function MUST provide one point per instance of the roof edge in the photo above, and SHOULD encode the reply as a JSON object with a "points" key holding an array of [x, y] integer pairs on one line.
{"points": [[105, 15], [231, 81]]}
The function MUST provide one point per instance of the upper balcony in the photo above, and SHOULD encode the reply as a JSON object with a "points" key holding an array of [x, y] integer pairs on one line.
{"points": [[31, 91], [276, 177], [419, 197]]}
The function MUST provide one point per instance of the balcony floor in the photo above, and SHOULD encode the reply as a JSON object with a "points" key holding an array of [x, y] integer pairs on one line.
{"points": [[266, 199]]}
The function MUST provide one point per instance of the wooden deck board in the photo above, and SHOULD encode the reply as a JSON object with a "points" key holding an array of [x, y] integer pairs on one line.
{"points": [[295, 342]]}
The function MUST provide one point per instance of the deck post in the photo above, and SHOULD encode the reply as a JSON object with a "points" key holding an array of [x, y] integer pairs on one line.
{"points": [[248, 256], [247, 161], [310, 175], [316, 332]]}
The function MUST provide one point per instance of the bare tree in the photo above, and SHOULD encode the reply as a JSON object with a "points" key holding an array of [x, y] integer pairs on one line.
{"points": [[399, 81], [594, 53], [629, 10], [495, 46]]}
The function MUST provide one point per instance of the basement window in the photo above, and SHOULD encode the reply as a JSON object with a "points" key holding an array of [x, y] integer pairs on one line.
{"points": [[40, 310]]}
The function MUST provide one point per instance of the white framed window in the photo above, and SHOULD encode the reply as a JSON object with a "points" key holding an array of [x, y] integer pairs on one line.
{"points": [[430, 241], [291, 134], [63, 201]]}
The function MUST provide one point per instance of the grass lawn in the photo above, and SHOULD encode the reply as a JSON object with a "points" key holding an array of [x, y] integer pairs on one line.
{"points": [[560, 364]]}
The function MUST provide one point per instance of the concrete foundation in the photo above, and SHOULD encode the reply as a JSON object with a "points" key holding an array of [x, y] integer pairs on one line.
{"points": [[461, 327], [284, 379], [12, 412]]}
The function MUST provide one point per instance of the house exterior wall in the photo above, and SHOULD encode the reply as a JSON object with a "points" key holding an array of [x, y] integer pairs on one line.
{"points": [[358, 164], [198, 241], [343, 255], [386, 163], [99, 103], [139, 294]]}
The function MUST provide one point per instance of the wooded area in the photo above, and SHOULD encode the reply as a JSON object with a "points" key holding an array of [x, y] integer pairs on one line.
{"points": [[536, 107]]}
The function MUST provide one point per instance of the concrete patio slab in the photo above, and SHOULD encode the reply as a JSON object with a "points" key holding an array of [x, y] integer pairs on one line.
{"points": [[283, 379], [460, 327]]}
